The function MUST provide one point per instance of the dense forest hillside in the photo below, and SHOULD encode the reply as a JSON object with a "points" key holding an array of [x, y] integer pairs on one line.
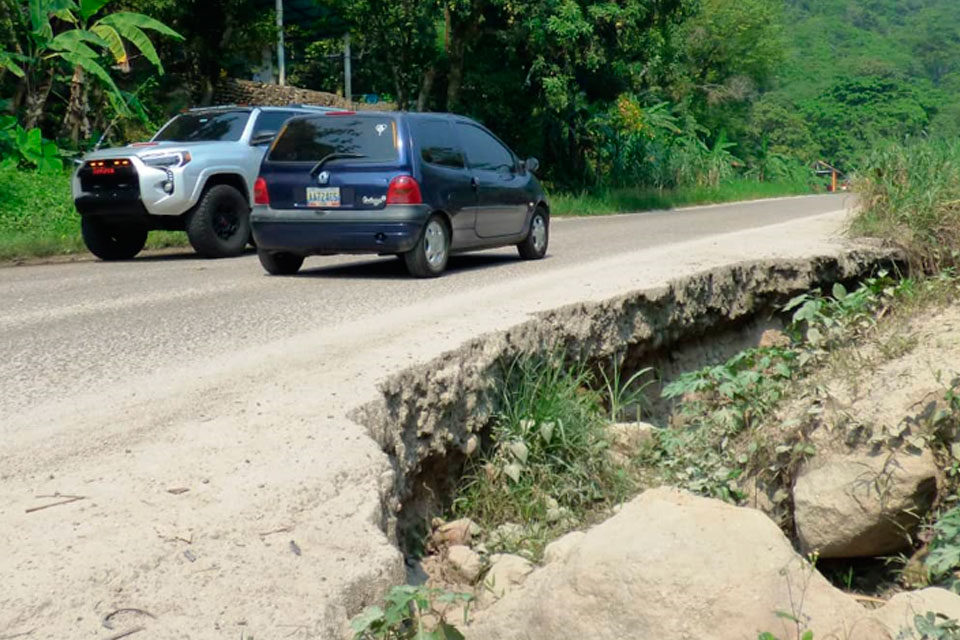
{"points": [[859, 71]]}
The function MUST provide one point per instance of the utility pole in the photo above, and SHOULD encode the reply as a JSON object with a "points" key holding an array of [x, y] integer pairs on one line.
{"points": [[347, 68], [281, 63]]}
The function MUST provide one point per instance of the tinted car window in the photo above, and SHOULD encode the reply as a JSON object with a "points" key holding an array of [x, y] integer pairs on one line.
{"points": [[313, 138], [437, 144], [483, 150], [271, 121], [224, 126]]}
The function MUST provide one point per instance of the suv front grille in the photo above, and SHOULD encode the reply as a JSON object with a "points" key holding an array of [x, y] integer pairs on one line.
{"points": [[109, 179]]}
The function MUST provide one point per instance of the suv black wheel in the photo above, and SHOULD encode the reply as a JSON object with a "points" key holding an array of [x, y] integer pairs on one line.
{"points": [[110, 241], [534, 246], [279, 263], [429, 256], [219, 226]]}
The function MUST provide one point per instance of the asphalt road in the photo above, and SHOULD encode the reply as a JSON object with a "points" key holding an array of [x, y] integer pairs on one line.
{"points": [[75, 327]]}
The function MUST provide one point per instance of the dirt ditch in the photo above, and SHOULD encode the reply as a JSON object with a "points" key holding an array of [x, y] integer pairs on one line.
{"points": [[430, 417]]}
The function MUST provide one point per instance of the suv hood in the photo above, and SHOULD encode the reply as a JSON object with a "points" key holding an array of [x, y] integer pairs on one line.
{"points": [[141, 149]]}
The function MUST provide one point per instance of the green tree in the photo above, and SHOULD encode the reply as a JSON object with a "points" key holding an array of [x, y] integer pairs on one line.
{"points": [[858, 111], [401, 38], [571, 59], [221, 37], [781, 127]]}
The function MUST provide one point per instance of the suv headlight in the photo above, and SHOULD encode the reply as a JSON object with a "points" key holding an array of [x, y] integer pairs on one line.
{"points": [[166, 159]]}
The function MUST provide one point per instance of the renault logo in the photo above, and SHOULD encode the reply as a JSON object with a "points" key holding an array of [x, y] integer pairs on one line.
{"points": [[323, 177]]}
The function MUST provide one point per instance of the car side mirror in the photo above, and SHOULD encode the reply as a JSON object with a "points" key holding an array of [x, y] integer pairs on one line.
{"points": [[264, 137], [531, 164]]}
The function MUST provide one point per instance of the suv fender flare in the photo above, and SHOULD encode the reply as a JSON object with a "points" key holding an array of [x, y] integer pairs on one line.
{"points": [[232, 175]]}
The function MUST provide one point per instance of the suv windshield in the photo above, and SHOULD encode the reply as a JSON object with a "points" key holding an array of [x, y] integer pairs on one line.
{"points": [[370, 138], [224, 126]]}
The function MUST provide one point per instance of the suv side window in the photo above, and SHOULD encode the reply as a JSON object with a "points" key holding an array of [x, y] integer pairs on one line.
{"points": [[271, 121], [483, 150], [437, 144]]}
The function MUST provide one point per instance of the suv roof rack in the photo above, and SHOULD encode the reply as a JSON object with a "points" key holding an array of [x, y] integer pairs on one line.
{"points": [[220, 106], [319, 107]]}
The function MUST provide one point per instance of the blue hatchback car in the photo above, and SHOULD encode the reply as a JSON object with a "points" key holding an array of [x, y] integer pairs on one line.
{"points": [[418, 185]]}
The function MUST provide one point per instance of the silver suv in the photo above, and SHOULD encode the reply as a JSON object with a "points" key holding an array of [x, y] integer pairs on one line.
{"points": [[195, 175]]}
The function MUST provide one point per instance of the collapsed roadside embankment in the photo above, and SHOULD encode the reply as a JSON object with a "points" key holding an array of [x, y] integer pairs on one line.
{"points": [[431, 416]]}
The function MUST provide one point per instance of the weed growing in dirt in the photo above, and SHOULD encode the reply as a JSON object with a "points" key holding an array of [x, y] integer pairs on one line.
{"points": [[411, 612], [622, 394], [549, 461], [717, 404]]}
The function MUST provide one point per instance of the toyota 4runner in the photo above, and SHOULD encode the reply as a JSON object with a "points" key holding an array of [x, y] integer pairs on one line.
{"points": [[195, 175]]}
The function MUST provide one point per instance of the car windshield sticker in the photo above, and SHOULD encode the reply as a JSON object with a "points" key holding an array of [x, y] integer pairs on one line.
{"points": [[380, 129]]}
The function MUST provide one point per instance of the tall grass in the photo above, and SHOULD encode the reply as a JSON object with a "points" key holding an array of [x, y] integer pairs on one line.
{"points": [[910, 196], [549, 463], [629, 200]]}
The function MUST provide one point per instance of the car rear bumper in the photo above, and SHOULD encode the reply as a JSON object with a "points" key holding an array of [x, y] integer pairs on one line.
{"points": [[393, 229]]}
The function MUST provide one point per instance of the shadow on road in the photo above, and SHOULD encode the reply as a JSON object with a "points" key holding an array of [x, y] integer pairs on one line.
{"points": [[389, 268], [182, 253]]}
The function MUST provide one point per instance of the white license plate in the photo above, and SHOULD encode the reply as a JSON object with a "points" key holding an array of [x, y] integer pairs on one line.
{"points": [[323, 196]]}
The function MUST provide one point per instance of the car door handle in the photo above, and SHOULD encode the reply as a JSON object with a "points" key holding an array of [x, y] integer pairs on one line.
{"points": [[474, 183]]}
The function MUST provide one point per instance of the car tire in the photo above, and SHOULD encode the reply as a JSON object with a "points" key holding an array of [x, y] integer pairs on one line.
{"points": [[429, 256], [280, 263], [534, 246], [112, 242], [219, 226]]}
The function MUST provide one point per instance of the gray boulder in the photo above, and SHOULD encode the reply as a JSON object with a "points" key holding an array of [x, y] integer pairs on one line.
{"points": [[862, 504]]}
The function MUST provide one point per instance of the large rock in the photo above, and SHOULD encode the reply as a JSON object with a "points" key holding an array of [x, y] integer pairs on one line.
{"points": [[673, 566], [900, 612], [862, 504]]}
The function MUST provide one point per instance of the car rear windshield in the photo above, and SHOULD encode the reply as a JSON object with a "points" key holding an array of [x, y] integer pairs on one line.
{"points": [[219, 126], [366, 138]]}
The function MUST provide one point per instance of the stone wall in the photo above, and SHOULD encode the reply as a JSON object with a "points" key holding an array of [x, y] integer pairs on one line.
{"points": [[233, 91]]}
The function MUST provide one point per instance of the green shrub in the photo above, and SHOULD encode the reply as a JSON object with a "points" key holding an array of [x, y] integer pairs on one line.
{"points": [[944, 557], [36, 214], [27, 148]]}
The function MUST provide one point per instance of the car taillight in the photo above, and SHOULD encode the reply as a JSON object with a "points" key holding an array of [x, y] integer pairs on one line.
{"points": [[260, 193], [404, 190]]}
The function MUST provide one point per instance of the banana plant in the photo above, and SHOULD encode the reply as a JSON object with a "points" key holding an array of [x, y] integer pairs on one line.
{"points": [[61, 31], [115, 32]]}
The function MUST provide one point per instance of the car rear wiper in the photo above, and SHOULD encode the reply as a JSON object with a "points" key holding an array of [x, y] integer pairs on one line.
{"points": [[333, 156]]}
